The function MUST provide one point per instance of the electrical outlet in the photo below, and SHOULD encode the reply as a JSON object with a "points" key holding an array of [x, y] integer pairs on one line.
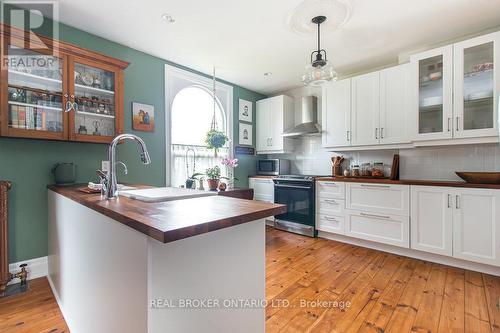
{"points": [[105, 166]]}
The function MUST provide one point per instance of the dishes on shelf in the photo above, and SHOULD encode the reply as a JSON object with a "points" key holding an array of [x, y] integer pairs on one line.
{"points": [[431, 101], [479, 95]]}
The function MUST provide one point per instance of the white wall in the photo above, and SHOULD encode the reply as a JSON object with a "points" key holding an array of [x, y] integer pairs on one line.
{"points": [[437, 163]]}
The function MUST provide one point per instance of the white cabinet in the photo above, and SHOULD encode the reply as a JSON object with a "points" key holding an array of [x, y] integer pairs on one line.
{"points": [[330, 206], [476, 225], [476, 85], [274, 116], [459, 222], [387, 229], [455, 91], [395, 104], [431, 219], [383, 199], [368, 110], [336, 114], [263, 188], [365, 109], [432, 86]]}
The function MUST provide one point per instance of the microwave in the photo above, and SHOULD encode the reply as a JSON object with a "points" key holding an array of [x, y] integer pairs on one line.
{"points": [[273, 167]]}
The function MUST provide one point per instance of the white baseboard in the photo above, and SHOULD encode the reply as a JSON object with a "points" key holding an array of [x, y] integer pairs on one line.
{"points": [[469, 265], [36, 268]]}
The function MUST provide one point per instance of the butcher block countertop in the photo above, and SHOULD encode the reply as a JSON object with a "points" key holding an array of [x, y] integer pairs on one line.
{"points": [[173, 220], [409, 182]]}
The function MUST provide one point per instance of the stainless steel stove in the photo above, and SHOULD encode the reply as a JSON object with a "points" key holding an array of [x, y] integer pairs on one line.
{"points": [[297, 192]]}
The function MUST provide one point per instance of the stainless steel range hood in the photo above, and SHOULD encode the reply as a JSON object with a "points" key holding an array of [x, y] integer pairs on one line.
{"points": [[308, 124]]}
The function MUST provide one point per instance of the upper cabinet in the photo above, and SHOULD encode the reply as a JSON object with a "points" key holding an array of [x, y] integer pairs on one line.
{"points": [[456, 89], [62, 93], [369, 110], [274, 116], [365, 109], [336, 114]]}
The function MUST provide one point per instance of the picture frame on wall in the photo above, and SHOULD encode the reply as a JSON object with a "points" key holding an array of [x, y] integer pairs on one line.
{"points": [[245, 135], [143, 117], [245, 111]]}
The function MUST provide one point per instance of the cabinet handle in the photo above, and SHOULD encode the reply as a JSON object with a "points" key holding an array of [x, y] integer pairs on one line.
{"points": [[331, 201], [347, 136], [449, 126], [328, 218], [449, 200], [457, 202], [376, 186], [271, 141], [381, 132], [376, 216], [458, 124], [376, 133], [329, 184]]}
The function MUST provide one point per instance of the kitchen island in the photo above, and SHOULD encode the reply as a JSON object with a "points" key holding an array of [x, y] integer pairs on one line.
{"points": [[192, 265]]}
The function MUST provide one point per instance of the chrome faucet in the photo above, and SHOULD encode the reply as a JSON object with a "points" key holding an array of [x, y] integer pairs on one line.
{"points": [[109, 180]]}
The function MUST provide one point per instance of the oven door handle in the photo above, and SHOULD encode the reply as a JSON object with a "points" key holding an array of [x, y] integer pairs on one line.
{"points": [[294, 186]]}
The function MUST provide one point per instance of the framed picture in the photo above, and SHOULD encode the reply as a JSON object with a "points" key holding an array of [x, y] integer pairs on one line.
{"points": [[245, 111], [245, 134], [143, 117]]}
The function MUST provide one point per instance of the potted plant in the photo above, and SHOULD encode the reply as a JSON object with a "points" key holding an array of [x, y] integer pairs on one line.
{"points": [[191, 181], [213, 178], [216, 139]]}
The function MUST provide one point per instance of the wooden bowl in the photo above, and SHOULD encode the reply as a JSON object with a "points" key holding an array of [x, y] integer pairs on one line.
{"points": [[480, 177]]}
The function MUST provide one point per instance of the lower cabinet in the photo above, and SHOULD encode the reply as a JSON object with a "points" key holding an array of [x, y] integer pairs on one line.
{"points": [[387, 229], [330, 223], [263, 188], [431, 219], [459, 222]]}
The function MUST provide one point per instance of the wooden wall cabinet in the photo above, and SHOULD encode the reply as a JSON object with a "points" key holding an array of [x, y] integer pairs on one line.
{"points": [[63, 93]]}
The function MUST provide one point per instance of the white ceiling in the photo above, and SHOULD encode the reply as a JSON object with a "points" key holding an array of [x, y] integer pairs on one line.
{"points": [[245, 39]]}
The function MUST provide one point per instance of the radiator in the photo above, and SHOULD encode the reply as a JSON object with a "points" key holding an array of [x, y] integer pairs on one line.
{"points": [[5, 275]]}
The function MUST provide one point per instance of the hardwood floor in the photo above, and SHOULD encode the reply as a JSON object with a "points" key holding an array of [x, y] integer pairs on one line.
{"points": [[33, 311], [318, 285], [386, 292]]}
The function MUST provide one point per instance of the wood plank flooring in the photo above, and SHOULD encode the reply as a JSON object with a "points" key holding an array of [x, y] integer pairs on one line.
{"points": [[386, 292], [309, 284]]}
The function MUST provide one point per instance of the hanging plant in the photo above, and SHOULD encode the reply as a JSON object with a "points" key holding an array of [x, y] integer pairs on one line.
{"points": [[216, 140]]}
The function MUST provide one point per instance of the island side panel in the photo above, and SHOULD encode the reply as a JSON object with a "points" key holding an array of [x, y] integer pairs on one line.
{"points": [[97, 269], [227, 264]]}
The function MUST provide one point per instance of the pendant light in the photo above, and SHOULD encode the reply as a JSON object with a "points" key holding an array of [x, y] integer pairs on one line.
{"points": [[320, 70]]}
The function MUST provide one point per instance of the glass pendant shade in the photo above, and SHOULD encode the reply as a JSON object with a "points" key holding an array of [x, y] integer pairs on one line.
{"points": [[317, 75]]}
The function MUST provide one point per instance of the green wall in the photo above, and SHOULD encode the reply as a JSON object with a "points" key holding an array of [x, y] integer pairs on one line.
{"points": [[27, 163]]}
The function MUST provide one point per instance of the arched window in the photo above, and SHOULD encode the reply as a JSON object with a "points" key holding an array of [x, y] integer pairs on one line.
{"points": [[191, 116]]}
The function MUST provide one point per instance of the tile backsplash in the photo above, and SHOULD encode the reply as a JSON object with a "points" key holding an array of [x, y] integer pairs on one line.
{"points": [[436, 163]]}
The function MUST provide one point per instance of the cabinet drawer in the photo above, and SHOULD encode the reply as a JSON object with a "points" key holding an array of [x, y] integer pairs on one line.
{"points": [[263, 188], [330, 223], [378, 198], [387, 229], [330, 206], [329, 189]]}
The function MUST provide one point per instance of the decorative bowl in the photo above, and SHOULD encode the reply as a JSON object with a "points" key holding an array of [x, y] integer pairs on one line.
{"points": [[480, 177]]}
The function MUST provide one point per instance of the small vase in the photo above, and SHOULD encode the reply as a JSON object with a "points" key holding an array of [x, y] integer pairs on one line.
{"points": [[213, 184]]}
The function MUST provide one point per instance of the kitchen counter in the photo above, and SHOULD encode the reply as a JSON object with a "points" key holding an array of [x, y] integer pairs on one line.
{"points": [[125, 265], [410, 182], [263, 176], [174, 220]]}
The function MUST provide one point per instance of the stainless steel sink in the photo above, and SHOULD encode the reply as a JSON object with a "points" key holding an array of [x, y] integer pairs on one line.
{"points": [[161, 194]]}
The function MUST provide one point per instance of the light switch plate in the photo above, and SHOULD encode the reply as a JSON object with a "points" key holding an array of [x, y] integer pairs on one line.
{"points": [[105, 166]]}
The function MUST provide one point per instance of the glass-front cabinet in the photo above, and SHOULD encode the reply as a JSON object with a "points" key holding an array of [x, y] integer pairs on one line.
{"points": [[56, 94], [433, 88], [476, 86], [93, 115], [456, 90]]}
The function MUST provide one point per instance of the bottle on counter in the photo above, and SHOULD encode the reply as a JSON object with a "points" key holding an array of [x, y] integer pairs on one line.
{"points": [[366, 169], [378, 170], [355, 172]]}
